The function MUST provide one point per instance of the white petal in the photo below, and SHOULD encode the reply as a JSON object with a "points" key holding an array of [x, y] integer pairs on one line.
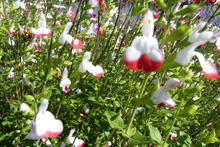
{"points": [[42, 21], [90, 67], [148, 24], [44, 105], [62, 38], [183, 57], [69, 38], [193, 37], [17, 4], [87, 56], [131, 54], [47, 125], [98, 71], [82, 66], [68, 26], [172, 83]]}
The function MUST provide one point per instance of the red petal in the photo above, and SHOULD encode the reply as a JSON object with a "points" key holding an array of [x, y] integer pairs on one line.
{"points": [[212, 76], [99, 74], [78, 44], [147, 64], [50, 134], [132, 64]]}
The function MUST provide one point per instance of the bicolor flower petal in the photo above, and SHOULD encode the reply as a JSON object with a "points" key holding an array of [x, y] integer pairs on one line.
{"points": [[160, 97], [86, 65], [173, 136], [42, 31], [75, 43], [208, 67], [74, 141], [143, 54], [46, 124], [184, 56], [65, 82]]}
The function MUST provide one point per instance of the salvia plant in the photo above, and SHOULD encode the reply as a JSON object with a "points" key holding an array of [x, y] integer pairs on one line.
{"points": [[103, 73]]}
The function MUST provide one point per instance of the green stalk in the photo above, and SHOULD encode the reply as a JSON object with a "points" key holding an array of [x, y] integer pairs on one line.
{"points": [[147, 75], [176, 115]]}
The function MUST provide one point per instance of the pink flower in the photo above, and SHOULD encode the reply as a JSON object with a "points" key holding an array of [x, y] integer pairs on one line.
{"points": [[65, 82], [144, 52], [86, 65], [45, 125], [42, 31], [160, 97]]}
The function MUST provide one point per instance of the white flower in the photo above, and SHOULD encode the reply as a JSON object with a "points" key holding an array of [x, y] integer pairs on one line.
{"points": [[11, 74]]}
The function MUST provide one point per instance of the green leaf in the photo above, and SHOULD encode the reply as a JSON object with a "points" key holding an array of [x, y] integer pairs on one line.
{"points": [[45, 94], [67, 63], [139, 139], [173, 1], [56, 44], [170, 63], [3, 28], [12, 26], [211, 138], [87, 7], [131, 132], [186, 10], [155, 134], [50, 74], [217, 13], [183, 140], [29, 97], [115, 121], [138, 10], [146, 99], [12, 9], [178, 34], [194, 89]]}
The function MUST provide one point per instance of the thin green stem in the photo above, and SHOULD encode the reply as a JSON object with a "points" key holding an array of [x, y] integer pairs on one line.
{"points": [[175, 116], [147, 75]]}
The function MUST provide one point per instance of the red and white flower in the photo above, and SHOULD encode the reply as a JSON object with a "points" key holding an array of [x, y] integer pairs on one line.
{"points": [[173, 136], [208, 66], [75, 43], [33, 44], [74, 141], [65, 82], [86, 65], [45, 125], [144, 52], [18, 4], [43, 30], [160, 97]]}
